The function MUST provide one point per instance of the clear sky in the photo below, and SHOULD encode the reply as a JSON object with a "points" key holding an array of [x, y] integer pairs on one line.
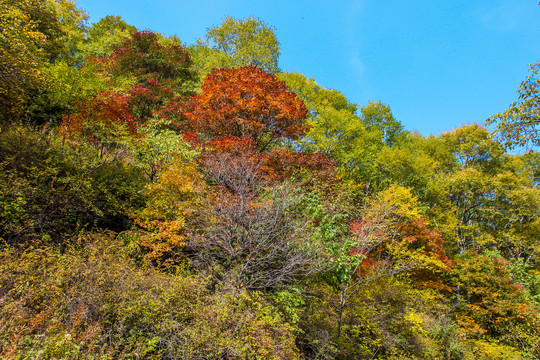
{"points": [[438, 64]]}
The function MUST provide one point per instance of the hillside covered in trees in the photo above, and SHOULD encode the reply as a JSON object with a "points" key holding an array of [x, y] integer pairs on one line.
{"points": [[161, 200]]}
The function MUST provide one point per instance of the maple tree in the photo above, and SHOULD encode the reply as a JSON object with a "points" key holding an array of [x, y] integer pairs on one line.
{"points": [[491, 302], [247, 102], [107, 116], [101, 121], [163, 222]]}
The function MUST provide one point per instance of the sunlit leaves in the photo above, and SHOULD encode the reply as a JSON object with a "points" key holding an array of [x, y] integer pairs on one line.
{"points": [[519, 124], [377, 116], [157, 147], [352, 140], [143, 57], [103, 36], [172, 199], [20, 57], [247, 102], [247, 41], [495, 304]]}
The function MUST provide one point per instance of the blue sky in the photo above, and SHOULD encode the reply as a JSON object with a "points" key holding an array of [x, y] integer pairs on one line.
{"points": [[437, 64]]}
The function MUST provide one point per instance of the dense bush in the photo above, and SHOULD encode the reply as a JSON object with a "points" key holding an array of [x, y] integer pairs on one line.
{"points": [[50, 190], [94, 302]]}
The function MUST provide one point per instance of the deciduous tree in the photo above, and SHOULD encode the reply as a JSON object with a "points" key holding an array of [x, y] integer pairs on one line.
{"points": [[247, 41], [519, 124], [103, 36], [247, 102], [143, 57]]}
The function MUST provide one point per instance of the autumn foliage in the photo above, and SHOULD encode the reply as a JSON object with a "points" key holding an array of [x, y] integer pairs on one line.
{"points": [[260, 216], [146, 58], [247, 102]]}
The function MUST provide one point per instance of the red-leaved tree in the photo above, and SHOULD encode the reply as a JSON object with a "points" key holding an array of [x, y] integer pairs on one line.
{"points": [[247, 102]]}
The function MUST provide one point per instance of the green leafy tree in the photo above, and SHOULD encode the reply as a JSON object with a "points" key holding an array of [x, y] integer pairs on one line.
{"points": [[406, 164], [337, 131], [206, 58], [21, 56], [248, 41], [102, 37], [65, 88], [50, 191], [158, 147], [71, 31], [519, 124], [479, 196], [379, 117], [36, 35]]}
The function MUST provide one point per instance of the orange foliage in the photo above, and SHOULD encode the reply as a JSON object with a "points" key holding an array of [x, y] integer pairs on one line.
{"points": [[246, 102], [495, 304], [173, 200], [106, 109], [273, 166], [420, 235], [281, 164], [233, 146], [431, 244]]}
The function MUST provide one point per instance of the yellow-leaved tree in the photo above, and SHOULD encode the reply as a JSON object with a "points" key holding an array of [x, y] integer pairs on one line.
{"points": [[171, 201]]}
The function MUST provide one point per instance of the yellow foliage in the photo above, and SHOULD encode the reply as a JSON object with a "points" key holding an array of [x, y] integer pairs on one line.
{"points": [[416, 323], [172, 200], [484, 350], [403, 202]]}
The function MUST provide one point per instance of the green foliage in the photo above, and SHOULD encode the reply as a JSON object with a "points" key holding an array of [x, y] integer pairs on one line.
{"points": [[103, 36], [36, 36], [387, 320], [20, 58], [125, 235], [332, 118], [49, 191], [378, 116], [406, 165], [65, 30], [518, 125], [491, 350], [206, 58], [158, 146], [524, 274], [93, 302], [247, 41], [353, 141], [66, 87]]}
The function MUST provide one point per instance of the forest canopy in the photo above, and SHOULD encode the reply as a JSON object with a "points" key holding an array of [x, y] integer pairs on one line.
{"points": [[163, 200]]}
